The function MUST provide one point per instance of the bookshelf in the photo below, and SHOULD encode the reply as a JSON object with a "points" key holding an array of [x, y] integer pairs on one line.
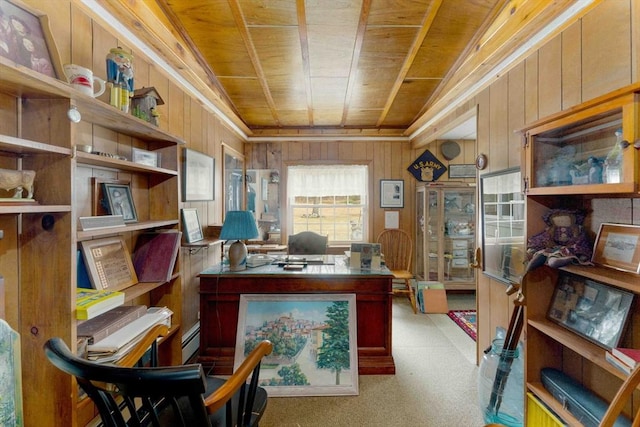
{"points": [[39, 247]]}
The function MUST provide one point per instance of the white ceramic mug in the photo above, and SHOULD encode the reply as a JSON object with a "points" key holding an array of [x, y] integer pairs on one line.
{"points": [[83, 79]]}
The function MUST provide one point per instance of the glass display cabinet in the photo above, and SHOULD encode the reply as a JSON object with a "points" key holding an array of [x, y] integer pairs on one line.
{"points": [[446, 235], [585, 152]]}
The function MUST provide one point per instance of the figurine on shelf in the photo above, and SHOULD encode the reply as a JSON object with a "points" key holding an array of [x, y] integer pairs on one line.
{"points": [[19, 181], [595, 170], [563, 241], [120, 77]]}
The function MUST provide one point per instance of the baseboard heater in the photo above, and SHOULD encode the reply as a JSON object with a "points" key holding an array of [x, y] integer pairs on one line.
{"points": [[190, 342]]}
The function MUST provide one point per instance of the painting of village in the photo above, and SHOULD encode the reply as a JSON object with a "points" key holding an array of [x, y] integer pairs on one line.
{"points": [[314, 342]]}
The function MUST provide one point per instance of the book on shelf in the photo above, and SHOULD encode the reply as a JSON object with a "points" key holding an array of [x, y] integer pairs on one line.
{"points": [[155, 254], [116, 345], [102, 326], [630, 356], [618, 363], [93, 302]]}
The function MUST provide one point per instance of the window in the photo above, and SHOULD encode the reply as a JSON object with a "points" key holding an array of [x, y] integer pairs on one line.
{"points": [[328, 199]]}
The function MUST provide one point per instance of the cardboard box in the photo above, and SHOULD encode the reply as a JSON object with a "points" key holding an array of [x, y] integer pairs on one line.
{"points": [[432, 297]]}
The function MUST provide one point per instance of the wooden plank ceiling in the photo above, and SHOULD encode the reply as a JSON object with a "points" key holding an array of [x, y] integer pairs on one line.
{"points": [[306, 66]]}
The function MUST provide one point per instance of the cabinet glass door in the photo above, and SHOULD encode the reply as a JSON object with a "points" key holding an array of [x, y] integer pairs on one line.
{"points": [[433, 231], [420, 234], [459, 234]]}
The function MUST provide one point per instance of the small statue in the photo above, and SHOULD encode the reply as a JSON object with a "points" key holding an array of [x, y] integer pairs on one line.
{"points": [[19, 180], [595, 170]]}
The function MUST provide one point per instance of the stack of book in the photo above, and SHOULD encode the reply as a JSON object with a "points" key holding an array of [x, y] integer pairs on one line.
{"points": [[92, 302], [625, 359], [116, 345]]}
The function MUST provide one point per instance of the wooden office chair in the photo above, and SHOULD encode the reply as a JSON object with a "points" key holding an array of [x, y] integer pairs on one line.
{"points": [[397, 247], [620, 400], [307, 243], [167, 396]]}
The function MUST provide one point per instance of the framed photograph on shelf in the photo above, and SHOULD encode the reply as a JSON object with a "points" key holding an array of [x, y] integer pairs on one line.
{"points": [[108, 263], [317, 353], [144, 157], [33, 46], [118, 201], [191, 224], [198, 176], [591, 309], [618, 246], [391, 193]]}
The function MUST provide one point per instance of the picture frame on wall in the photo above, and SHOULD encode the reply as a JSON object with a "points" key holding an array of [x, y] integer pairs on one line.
{"points": [[591, 309], [198, 176], [618, 246], [321, 341], [33, 47], [391, 193], [119, 201], [191, 224]]}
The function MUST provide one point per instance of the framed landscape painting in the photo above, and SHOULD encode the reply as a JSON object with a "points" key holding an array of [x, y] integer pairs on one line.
{"points": [[315, 352]]}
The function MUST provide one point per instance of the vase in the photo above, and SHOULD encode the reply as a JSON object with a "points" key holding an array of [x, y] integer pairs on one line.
{"points": [[501, 403]]}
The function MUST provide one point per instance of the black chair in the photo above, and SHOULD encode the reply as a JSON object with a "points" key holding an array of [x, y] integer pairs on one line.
{"points": [[167, 396], [307, 243]]}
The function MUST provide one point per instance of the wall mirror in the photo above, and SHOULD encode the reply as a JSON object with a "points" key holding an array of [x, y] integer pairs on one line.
{"points": [[233, 180], [263, 199], [503, 240]]}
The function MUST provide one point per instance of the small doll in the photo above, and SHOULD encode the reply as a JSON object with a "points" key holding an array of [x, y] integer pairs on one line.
{"points": [[563, 241]]}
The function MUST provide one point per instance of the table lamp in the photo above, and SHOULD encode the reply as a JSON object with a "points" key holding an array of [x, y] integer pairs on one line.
{"points": [[238, 226]]}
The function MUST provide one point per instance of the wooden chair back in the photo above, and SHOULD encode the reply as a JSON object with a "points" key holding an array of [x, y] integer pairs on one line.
{"points": [[166, 396], [397, 248], [307, 243], [620, 400]]}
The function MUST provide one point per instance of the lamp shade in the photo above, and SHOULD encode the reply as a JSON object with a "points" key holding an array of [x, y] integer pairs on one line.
{"points": [[239, 225]]}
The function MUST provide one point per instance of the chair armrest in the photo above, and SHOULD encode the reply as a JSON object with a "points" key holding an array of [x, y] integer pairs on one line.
{"points": [[132, 357], [220, 396]]}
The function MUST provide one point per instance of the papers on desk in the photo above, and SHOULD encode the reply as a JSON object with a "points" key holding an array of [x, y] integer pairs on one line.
{"points": [[365, 256]]}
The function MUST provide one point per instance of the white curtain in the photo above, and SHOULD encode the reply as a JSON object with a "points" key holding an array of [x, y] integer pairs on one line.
{"points": [[327, 180]]}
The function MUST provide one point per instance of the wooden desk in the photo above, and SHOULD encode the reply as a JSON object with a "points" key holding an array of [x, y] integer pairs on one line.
{"points": [[220, 292]]}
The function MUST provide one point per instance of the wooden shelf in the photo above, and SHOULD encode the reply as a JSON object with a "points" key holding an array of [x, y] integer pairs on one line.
{"points": [[557, 407], [575, 343], [22, 146], [143, 225], [32, 208], [125, 165], [141, 288]]}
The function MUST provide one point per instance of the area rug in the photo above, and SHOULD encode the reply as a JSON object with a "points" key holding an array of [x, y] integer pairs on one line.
{"points": [[466, 319]]}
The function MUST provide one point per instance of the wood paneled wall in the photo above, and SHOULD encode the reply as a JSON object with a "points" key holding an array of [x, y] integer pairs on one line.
{"points": [[595, 55]]}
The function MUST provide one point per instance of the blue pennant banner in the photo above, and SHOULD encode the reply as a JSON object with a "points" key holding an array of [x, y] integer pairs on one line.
{"points": [[427, 167]]}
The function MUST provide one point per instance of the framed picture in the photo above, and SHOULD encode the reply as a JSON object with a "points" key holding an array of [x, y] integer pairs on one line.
{"points": [[391, 193], [198, 176], [233, 180], [26, 39], [618, 246], [591, 309], [314, 336], [462, 171], [119, 201], [502, 224], [144, 157], [191, 224], [108, 263]]}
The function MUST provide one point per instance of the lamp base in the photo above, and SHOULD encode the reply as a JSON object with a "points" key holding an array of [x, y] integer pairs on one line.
{"points": [[237, 256]]}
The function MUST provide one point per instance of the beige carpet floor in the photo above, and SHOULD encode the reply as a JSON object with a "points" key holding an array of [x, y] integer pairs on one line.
{"points": [[434, 385]]}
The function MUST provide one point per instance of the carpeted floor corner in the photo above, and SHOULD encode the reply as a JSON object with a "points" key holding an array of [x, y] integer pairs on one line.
{"points": [[434, 385]]}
